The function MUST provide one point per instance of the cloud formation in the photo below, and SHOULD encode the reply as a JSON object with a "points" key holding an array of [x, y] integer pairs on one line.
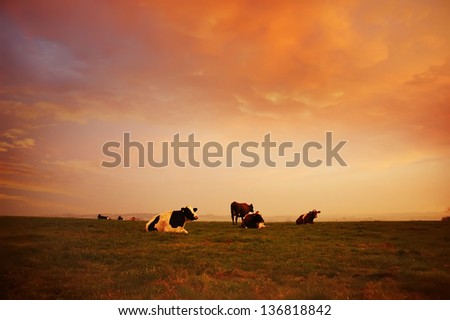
{"points": [[77, 74]]}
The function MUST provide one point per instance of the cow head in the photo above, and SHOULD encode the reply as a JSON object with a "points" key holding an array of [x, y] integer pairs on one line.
{"points": [[250, 208], [259, 220], [315, 212], [310, 216], [189, 212]]}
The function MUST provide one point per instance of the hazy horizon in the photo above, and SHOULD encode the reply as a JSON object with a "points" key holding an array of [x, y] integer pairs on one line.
{"points": [[211, 217], [77, 75]]}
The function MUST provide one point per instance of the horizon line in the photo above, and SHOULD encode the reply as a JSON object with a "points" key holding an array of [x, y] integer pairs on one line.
{"points": [[221, 218]]}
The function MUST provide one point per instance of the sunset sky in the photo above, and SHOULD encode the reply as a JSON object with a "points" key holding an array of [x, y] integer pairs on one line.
{"points": [[77, 74]]}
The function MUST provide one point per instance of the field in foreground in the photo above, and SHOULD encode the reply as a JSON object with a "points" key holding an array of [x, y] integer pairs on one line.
{"points": [[56, 258]]}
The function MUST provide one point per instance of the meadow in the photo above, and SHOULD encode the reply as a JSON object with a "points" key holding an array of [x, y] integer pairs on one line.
{"points": [[61, 258]]}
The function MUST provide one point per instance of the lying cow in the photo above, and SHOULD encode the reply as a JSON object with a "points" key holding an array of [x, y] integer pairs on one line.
{"points": [[101, 217], [239, 210], [253, 220], [172, 221], [307, 217]]}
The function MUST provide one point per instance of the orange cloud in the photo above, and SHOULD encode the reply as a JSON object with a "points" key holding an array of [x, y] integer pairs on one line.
{"points": [[14, 139], [75, 75]]}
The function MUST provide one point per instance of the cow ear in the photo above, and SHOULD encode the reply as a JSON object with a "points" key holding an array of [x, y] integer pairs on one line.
{"points": [[195, 209]]}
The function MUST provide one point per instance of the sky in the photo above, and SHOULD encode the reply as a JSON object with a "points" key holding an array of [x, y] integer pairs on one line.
{"points": [[76, 75]]}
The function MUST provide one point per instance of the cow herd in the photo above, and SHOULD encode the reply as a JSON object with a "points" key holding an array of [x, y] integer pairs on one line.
{"points": [[174, 221], [103, 217]]}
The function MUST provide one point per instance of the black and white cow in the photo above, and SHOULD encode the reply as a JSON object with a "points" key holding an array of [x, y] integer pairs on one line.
{"points": [[102, 217], [172, 221], [307, 217], [253, 220]]}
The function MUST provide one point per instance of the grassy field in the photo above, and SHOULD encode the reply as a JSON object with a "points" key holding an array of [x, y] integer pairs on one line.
{"points": [[56, 258]]}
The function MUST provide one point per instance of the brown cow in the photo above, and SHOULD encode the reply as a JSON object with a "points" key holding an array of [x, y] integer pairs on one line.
{"points": [[253, 220], [239, 210], [307, 217]]}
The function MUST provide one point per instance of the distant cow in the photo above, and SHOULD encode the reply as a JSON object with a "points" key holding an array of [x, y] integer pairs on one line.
{"points": [[101, 217], [446, 219], [120, 218], [172, 221], [307, 217], [239, 210], [253, 220]]}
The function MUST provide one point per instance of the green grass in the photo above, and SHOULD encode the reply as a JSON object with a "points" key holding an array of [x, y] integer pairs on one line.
{"points": [[51, 258]]}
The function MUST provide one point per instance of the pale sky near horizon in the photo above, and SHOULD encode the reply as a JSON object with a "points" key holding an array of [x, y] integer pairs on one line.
{"points": [[75, 75]]}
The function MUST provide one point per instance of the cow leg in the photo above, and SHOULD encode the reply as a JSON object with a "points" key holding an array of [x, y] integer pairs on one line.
{"points": [[175, 230], [151, 225], [181, 230]]}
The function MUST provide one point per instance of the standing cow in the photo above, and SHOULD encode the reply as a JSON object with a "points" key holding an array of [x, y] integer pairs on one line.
{"points": [[253, 220], [172, 221], [239, 210], [307, 217]]}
